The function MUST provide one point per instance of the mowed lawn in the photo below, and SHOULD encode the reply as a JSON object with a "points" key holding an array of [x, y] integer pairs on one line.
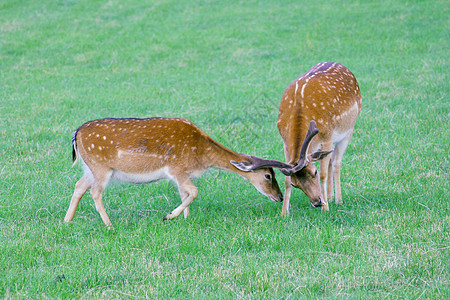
{"points": [[224, 65]]}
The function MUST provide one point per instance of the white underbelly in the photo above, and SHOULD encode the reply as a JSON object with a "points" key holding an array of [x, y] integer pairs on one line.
{"points": [[141, 177]]}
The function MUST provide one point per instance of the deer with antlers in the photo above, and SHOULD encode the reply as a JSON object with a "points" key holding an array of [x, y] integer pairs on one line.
{"points": [[320, 106], [146, 150]]}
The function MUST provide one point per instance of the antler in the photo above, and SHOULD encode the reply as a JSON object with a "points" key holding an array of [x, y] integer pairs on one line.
{"points": [[255, 163], [302, 160]]}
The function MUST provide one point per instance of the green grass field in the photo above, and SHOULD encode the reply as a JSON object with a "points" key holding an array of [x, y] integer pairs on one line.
{"points": [[224, 65]]}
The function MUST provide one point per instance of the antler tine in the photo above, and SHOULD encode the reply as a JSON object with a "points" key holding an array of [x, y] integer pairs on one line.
{"points": [[312, 131]]}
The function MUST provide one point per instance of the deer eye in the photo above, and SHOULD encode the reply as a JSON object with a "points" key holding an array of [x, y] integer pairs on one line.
{"points": [[315, 174], [268, 177]]}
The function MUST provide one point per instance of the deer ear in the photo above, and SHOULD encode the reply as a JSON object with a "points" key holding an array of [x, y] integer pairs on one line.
{"points": [[242, 165], [319, 155]]}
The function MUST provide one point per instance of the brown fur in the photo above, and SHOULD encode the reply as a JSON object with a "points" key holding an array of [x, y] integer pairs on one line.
{"points": [[145, 150], [328, 94]]}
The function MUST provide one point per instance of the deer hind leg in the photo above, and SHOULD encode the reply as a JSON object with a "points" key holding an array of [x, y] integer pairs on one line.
{"points": [[323, 171], [101, 179], [96, 193], [339, 153], [188, 192], [81, 188]]}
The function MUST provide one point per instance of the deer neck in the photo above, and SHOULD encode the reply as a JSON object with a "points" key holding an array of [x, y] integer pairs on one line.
{"points": [[295, 134], [220, 158]]}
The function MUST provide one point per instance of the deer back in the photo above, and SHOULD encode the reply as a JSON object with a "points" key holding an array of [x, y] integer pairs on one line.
{"points": [[143, 145], [328, 94]]}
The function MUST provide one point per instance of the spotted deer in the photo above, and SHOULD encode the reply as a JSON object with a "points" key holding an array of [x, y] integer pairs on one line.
{"points": [[147, 150], [320, 106]]}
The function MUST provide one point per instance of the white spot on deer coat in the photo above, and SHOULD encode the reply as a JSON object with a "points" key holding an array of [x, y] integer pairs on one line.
{"points": [[303, 89]]}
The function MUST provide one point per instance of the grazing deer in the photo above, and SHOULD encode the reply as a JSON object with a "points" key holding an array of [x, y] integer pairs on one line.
{"points": [[147, 150], [327, 95]]}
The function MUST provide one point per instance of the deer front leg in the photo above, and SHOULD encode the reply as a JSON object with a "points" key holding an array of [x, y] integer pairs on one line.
{"points": [[330, 189], [184, 195], [96, 193], [287, 196], [186, 212], [188, 192]]}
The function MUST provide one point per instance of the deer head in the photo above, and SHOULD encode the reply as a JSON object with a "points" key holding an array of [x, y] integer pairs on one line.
{"points": [[260, 173], [304, 173]]}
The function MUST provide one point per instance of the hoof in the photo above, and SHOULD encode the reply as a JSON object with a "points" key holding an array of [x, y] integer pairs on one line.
{"points": [[167, 217]]}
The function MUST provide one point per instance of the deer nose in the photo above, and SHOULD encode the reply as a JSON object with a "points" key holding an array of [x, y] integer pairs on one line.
{"points": [[320, 203], [281, 197]]}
